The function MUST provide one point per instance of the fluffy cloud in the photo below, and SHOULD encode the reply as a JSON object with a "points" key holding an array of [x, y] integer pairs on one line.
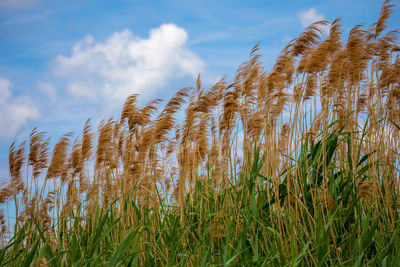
{"points": [[310, 16], [15, 111], [17, 4], [124, 64]]}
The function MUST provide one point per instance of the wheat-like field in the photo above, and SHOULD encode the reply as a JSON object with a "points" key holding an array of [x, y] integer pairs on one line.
{"points": [[298, 166]]}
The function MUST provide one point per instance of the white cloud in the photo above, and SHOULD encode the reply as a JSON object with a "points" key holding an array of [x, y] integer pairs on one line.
{"points": [[17, 4], [124, 64], [15, 112], [310, 16]]}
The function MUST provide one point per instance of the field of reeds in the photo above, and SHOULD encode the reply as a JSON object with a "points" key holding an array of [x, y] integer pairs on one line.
{"points": [[297, 166]]}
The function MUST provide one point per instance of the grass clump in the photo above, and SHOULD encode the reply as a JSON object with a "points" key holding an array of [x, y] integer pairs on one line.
{"points": [[297, 166]]}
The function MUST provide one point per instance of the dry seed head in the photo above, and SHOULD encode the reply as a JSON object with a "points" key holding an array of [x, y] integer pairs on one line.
{"points": [[319, 57], [165, 121], [129, 108], [255, 124], [384, 48], [367, 189], [30, 208], [388, 77], [393, 104], [247, 75], [335, 35], [308, 38], [362, 102], [76, 157], [16, 159], [324, 198], [122, 139], [284, 68], [324, 91], [206, 102], [262, 91], [217, 227], [3, 226], [357, 55], [311, 86], [59, 157], [337, 74], [143, 116], [198, 84], [38, 152], [87, 141], [219, 88], [146, 138], [231, 106], [298, 92], [47, 206], [283, 139], [66, 174], [281, 99], [201, 137], [5, 193], [171, 148], [104, 145], [386, 11], [275, 81], [34, 143]]}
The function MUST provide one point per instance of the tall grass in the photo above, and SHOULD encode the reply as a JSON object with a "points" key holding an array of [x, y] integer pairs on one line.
{"points": [[297, 166]]}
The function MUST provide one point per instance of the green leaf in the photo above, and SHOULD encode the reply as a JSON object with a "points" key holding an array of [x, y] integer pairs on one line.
{"points": [[46, 250], [31, 255], [122, 248]]}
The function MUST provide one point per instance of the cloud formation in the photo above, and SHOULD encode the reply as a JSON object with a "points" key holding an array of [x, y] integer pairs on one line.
{"points": [[15, 111], [124, 64], [310, 16]]}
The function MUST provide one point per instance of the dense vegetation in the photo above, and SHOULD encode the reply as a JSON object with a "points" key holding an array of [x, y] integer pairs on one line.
{"points": [[298, 166]]}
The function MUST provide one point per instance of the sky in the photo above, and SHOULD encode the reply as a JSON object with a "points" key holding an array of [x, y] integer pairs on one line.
{"points": [[62, 62]]}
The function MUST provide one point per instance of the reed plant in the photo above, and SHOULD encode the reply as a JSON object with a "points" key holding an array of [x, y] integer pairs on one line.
{"points": [[298, 166]]}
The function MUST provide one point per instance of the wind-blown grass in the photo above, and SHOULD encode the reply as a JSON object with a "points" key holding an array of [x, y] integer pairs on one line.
{"points": [[298, 166]]}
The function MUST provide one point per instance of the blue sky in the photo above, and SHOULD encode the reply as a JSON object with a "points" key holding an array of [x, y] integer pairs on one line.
{"points": [[62, 62]]}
